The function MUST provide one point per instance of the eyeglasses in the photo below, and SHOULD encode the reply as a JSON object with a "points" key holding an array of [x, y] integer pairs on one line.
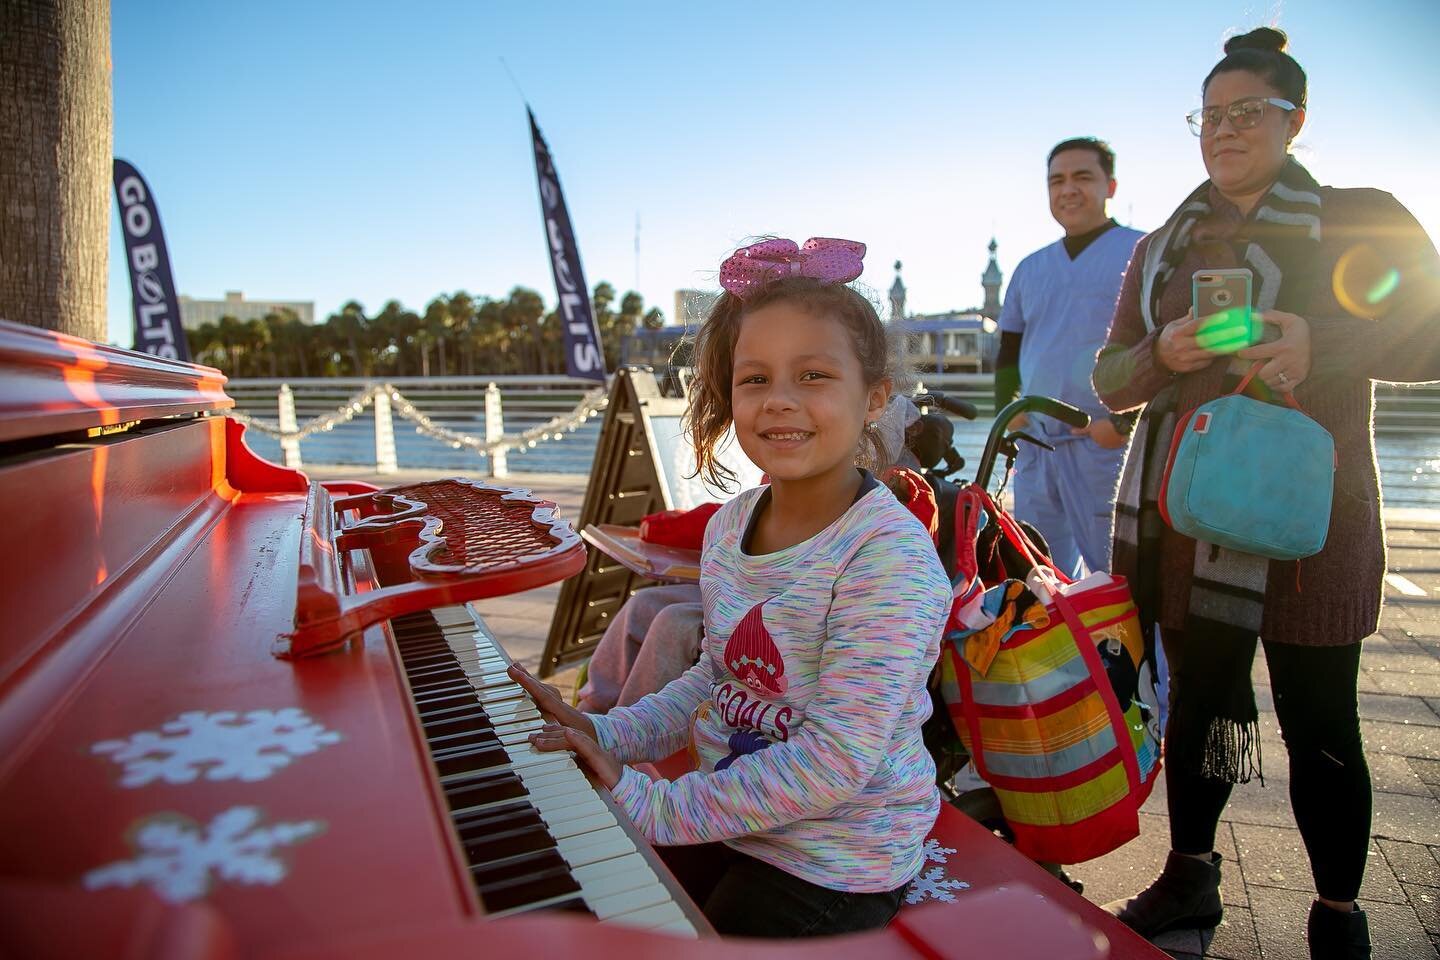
{"points": [[1244, 114]]}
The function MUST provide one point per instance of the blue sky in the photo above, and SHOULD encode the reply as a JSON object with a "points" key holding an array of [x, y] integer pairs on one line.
{"points": [[329, 151]]}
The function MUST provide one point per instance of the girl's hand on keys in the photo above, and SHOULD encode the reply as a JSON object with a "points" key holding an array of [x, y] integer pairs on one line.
{"points": [[553, 736], [550, 703]]}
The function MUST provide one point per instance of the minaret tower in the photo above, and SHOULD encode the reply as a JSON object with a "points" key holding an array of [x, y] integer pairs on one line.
{"points": [[897, 296], [990, 280]]}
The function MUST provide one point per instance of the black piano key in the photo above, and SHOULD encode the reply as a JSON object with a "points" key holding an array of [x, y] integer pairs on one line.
{"points": [[455, 744], [498, 844], [441, 713], [508, 814], [447, 691], [476, 793], [431, 674], [432, 706], [444, 727], [511, 892], [470, 759]]}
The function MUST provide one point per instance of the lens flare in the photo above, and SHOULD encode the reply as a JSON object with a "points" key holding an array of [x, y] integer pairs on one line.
{"points": [[1364, 283], [1384, 287]]}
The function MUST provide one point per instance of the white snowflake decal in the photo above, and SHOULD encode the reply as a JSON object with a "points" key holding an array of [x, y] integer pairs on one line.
{"points": [[176, 856], [935, 853], [933, 884], [224, 746]]}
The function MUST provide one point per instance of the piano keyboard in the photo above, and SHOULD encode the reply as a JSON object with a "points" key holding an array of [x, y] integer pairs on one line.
{"points": [[534, 830]]}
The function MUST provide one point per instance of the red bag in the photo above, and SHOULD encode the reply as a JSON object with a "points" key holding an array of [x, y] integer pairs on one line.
{"points": [[678, 528]]}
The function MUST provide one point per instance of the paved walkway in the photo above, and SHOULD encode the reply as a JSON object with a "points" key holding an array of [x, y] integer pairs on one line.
{"points": [[1266, 878]]}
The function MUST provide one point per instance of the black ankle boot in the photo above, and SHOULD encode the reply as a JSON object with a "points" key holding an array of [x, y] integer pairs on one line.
{"points": [[1337, 936], [1186, 895]]}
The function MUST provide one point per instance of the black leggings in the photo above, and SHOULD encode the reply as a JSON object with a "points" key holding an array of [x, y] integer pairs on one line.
{"points": [[1317, 706], [745, 897]]}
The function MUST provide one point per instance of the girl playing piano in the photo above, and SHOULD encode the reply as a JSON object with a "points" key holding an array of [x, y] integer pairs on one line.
{"points": [[824, 602]]}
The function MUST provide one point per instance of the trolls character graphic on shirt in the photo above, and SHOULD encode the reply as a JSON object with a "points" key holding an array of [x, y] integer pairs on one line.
{"points": [[754, 660], [752, 656]]}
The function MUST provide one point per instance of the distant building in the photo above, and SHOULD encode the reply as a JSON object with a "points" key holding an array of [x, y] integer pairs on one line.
{"points": [[693, 306], [949, 342], [195, 313], [957, 341], [658, 348]]}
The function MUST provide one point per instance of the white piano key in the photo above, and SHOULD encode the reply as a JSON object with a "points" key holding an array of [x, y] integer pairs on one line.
{"points": [[596, 846], [629, 901], [573, 806], [597, 874], [652, 917], [563, 827]]}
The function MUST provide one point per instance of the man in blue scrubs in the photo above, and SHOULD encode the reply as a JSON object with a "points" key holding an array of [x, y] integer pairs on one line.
{"points": [[1057, 311]]}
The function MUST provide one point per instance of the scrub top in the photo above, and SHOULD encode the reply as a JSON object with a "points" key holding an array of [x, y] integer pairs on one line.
{"points": [[1063, 308]]}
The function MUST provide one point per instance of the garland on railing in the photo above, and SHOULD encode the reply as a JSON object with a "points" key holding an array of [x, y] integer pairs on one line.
{"points": [[328, 421], [553, 429]]}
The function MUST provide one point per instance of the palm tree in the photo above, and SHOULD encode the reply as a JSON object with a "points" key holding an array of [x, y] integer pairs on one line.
{"points": [[523, 311], [349, 327], [230, 333], [257, 342], [204, 342], [436, 322], [461, 309]]}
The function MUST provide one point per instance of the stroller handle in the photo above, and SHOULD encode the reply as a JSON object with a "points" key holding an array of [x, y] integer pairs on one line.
{"points": [[1048, 406], [963, 409]]}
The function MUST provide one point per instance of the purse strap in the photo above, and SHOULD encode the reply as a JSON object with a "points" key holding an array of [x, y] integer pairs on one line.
{"points": [[1288, 396]]}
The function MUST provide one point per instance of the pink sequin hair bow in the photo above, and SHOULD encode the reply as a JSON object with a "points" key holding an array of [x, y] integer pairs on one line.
{"points": [[826, 259]]}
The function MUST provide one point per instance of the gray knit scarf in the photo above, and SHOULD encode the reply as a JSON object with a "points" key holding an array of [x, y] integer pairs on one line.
{"points": [[1215, 729]]}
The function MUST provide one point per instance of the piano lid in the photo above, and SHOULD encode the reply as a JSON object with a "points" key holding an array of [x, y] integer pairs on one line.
{"points": [[54, 383]]}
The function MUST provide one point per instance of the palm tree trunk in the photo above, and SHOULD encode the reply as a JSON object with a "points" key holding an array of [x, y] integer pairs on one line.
{"points": [[55, 124]]}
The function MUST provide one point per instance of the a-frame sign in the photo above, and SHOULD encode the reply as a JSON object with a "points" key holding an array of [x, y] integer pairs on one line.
{"points": [[627, 481]]}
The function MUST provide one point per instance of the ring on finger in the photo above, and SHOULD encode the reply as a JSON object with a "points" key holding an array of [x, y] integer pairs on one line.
{"points": [[1281, 378]]}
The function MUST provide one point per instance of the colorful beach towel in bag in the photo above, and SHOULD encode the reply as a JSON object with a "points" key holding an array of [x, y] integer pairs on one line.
{"points": [[1050, 688]]}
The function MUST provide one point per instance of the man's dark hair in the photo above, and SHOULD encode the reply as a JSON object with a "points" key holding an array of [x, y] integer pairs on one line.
{"points": [[1099, 147]]}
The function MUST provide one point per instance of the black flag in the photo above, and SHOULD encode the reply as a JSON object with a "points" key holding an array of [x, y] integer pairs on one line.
{"points": [[152, 288], [583, 355]]}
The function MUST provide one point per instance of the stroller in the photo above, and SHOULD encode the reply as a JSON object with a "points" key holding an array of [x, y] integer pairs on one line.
{"points": [[930, 439]]}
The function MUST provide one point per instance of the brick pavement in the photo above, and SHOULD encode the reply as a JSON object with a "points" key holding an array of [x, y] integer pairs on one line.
{"points": [[1266, 885]]}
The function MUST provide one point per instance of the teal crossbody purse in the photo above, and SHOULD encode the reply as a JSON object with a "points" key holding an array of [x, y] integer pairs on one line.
{"points": [[1251, 476]]}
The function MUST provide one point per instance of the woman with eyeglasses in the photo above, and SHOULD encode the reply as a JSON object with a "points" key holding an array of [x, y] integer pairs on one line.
{"points": [[1348, 286]]}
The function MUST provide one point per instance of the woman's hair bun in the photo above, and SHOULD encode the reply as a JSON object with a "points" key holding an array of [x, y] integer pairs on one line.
{"points": [[1261, 38]]}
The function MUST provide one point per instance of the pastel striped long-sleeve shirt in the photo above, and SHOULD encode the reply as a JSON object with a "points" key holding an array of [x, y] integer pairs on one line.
{"points": [[805, 708]]}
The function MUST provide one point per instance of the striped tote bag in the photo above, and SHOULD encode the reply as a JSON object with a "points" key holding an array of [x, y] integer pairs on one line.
{"points": [[1048, 685]]}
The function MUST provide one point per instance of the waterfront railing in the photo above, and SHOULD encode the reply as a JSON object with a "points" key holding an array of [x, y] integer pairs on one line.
{"points": [[539, 424]]}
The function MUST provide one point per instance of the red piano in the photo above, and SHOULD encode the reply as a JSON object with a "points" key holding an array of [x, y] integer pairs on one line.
{"points": [[244, 714]]}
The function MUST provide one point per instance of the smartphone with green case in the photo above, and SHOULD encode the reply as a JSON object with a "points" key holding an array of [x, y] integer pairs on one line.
{"points": [[1221, 299]]}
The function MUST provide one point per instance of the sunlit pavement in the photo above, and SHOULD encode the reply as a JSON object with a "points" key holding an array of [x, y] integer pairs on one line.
{"points": [[1266, 883]]}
